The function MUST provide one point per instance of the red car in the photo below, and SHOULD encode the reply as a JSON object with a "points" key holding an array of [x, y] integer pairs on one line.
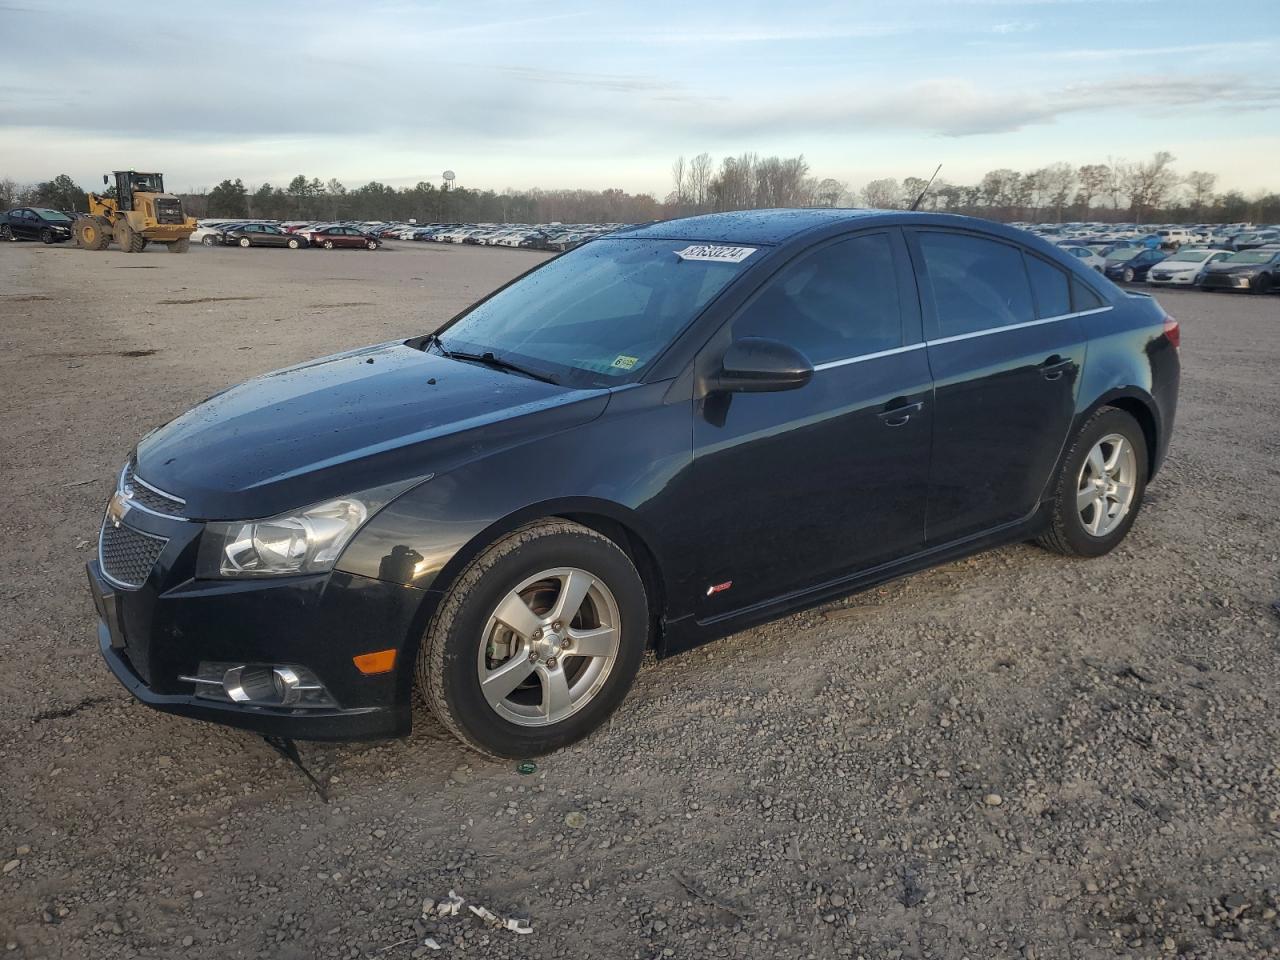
{"points": [[330, 237]]}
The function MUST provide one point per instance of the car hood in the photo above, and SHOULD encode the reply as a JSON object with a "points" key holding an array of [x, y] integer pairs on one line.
{"points": [[347, 423], [1235, 267]]}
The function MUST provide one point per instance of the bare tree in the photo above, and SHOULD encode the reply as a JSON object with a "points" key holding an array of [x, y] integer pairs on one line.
{"points": [[678, 174], [882, 194], [1057, 181], [699, 180], [1148, 184], [829, 192], [1201, 184], [912, 187], [1119, 172], [1093, 178]]}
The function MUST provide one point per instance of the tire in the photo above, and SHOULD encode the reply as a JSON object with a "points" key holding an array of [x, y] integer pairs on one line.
{"points": [[180, 246], [293, 243], [208, 240], [46, 236], [371, 245], [130, 242], [245, 243], [328, 244], [1262, 285], [92, 233], [466, 636], [6, 234], [1068, 532], [1128, 275]]}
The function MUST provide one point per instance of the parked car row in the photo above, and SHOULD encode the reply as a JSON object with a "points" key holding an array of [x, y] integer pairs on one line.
{"points": [[1233, 237], [1251, 271], [259, 233]]}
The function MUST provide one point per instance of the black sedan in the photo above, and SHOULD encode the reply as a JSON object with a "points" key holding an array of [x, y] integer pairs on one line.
{"points": [[1251, 271], [35, 223], [1135, 267], [664, 436], [259, 235]]}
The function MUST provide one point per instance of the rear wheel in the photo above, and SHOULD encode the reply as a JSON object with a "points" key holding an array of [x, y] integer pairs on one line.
{"points": [[129, 240], [180, 246], [92, 233], [5, 232], [1100, 487], [537, 642]]}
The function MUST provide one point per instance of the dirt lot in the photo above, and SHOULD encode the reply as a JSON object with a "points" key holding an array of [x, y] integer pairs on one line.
{"points": [[1011, 756]]}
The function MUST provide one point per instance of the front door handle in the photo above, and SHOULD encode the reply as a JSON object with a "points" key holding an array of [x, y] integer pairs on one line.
{"points": [[1055, 366], [898, 411]]}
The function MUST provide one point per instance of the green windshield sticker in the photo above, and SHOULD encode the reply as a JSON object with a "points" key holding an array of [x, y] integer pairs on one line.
{"points": [[624, 362]]}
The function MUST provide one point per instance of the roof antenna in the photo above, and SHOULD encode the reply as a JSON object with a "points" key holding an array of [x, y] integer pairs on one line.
{"points": [[916, 205]]}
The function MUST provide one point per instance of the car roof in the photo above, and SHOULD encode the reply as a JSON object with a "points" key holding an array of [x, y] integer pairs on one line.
{"points": [[749, 226]]}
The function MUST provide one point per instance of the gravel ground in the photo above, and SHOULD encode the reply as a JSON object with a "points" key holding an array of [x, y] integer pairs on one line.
{"points": [[1014, 755]]}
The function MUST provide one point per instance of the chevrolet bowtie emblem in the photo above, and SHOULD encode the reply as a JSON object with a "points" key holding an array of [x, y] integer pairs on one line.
{"points": [[117, 508]]}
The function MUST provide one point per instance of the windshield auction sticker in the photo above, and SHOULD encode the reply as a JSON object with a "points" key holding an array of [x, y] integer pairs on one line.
{"points": [[715, 253]]}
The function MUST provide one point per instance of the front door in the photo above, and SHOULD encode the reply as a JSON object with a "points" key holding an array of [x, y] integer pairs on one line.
{"points": [[1006, 350], [806, 486]]}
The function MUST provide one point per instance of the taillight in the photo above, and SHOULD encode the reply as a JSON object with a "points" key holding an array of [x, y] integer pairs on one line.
{"points": [[1172, 332]]}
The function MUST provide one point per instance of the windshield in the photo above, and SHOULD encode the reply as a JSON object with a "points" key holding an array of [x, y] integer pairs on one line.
{"points": [[1250, 256], [603, 311], [1190, 256], [1125, 253], [57, 215]]}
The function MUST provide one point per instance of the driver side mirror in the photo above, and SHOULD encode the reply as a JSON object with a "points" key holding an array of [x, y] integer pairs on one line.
{"points": [[760, 365], [105, 181]]}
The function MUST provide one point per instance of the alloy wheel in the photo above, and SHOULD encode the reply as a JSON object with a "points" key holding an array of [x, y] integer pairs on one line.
{"points": [[548, 647], [1106, 486]]}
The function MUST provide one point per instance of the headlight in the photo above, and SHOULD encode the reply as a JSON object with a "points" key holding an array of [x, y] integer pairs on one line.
{"points": [[308, 540]]}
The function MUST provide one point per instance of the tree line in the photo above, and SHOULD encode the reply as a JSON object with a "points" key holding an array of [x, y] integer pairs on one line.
{"points": [[1111, 191]]}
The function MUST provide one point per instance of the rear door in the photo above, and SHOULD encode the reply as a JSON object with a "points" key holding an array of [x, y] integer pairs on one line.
{"points": [[804, 486], [1005, 350], [26, 225]]}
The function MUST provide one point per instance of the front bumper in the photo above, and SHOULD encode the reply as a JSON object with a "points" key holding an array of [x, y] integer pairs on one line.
{"points": [[1172, 280], [151, 637], [1227, 281]]}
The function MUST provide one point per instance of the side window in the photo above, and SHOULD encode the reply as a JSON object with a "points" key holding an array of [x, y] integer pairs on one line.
{"points": [[832, 304], [1050, 285], [977, 283], [1083, 296]]}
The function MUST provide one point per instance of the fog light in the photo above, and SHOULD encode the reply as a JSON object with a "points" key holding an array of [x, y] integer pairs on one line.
{"points": [[260, 685]]}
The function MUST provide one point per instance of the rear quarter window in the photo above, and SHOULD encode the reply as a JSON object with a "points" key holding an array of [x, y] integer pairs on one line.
{"points": [[1084, 297], [1051, 287]]}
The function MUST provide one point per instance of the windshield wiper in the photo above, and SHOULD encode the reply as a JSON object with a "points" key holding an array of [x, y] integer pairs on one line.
{"points": [[489, 360], [423, 342]]}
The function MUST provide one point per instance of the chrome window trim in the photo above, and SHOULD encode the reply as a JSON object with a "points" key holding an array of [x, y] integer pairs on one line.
{"points": [[960, 336], [867, 356], [1018, 326]]}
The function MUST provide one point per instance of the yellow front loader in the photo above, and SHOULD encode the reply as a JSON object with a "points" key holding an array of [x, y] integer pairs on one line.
{"points": [[140, 213]]}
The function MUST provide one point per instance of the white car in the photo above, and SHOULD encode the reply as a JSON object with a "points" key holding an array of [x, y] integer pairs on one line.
{"points": [[1184, 268], [1086, 256]]}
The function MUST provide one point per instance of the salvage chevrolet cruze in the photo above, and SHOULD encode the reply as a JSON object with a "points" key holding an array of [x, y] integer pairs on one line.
{"points": [[664, 436]]}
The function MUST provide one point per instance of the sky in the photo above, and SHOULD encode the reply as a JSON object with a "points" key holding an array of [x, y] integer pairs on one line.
{"points": [[606, 93]]}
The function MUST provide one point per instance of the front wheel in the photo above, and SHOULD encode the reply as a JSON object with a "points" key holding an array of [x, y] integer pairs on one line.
{"points": [[328, 244], [1100, 487], [46, 235], [372, 245], [208, 240], [244, 242], [1262, 284], [537, 642], [293, 243], [1128, 275]]}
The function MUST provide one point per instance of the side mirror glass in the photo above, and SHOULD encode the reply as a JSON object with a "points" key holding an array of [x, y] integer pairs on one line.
{"points": [[760, 365], [105, 181]]}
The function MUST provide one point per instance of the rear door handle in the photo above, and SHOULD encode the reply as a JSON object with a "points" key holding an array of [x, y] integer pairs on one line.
{"points": [[1055, 366], [898, 411]]}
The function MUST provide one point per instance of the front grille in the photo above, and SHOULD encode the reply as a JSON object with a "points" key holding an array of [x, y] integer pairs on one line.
{"points": [[137, 489], [127, 555], [169, 211]]}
